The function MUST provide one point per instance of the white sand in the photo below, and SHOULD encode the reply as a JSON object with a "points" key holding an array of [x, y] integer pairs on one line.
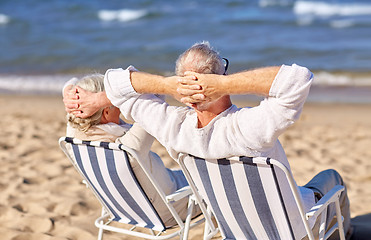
{"points": [[41, 195]]}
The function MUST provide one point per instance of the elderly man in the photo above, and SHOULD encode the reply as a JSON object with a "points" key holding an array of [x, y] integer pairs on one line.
{"points": [[214, 127]]}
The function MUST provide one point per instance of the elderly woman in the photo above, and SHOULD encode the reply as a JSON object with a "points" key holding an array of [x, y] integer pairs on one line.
{"points": [[106, 125]]}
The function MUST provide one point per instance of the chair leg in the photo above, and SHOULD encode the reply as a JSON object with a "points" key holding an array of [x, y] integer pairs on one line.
{"points": [[207, 229], [185, 231], [322, 226], [100, 232], [210, 230], [339, 220]]}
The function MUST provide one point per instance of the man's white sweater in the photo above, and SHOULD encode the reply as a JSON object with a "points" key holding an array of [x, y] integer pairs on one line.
{"points": [[235, 132]]}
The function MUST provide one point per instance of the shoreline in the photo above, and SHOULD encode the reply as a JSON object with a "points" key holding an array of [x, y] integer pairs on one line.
{"points": [[328, 87], [42, 196], [343, 95]]}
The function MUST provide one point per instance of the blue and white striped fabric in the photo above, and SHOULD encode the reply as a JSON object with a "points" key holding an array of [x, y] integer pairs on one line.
{"points": [[246, 197], [107, 170]]}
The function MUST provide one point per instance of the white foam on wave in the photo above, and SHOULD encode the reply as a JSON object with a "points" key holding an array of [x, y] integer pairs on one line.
{"points": [[344, 80], [325, 9], [122, 15], [4, 19], [270, 3], [343, 23], [45, 84], [53, 84]]}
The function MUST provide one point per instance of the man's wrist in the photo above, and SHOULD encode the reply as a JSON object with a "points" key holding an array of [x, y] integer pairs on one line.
{"points": [[168, 86], [223, 85], [147, 83]]}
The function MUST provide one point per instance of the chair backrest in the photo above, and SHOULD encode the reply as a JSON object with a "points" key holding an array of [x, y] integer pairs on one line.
{"points": [[106, 169], [251, 198]]}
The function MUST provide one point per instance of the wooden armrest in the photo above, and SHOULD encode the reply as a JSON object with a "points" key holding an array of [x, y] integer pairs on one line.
{"points": [[179, 194], [330, 197]]}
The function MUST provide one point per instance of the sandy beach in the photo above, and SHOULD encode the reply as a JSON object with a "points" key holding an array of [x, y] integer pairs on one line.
{"points": [[42, 197]]}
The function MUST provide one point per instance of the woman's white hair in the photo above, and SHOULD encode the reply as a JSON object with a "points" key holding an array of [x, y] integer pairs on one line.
{"points": [[200, 58], [92, 83]]}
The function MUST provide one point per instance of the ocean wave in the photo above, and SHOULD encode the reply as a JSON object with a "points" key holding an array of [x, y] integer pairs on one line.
{"points": [[324, 9], [343, 23], [53, 84], [4, 19], [122, 15], [342, 79], [270, 3], [44, 84]]}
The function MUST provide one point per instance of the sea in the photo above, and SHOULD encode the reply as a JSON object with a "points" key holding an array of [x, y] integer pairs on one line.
{"points": [[45, 43]]}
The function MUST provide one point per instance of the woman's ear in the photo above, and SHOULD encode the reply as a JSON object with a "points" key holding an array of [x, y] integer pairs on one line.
{"points": [[105, 115]]}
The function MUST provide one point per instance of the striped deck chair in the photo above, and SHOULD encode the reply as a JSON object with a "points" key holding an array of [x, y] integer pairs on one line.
{"points": [[106, 170], [250, 202]]}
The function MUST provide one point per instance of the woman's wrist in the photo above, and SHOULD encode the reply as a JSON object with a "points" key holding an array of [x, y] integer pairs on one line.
{"points": [[102, 100]]}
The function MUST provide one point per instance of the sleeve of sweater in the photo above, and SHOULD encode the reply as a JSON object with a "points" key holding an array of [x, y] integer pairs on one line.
{"points": [[263, 124], [152, 113], [120, 91]]}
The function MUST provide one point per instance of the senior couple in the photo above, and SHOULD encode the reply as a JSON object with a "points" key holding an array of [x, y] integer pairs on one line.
{"points": [[210, 127]]}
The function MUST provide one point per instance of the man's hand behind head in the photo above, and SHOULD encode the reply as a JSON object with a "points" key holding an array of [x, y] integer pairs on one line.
{"points": [[197, 88]]}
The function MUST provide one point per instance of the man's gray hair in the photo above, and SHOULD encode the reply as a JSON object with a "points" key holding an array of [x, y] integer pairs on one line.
{"points": [[200, 58], [92, 83]]}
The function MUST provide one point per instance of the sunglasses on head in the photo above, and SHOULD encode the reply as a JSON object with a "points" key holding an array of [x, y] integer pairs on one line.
{"points": [[226, 64]]}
